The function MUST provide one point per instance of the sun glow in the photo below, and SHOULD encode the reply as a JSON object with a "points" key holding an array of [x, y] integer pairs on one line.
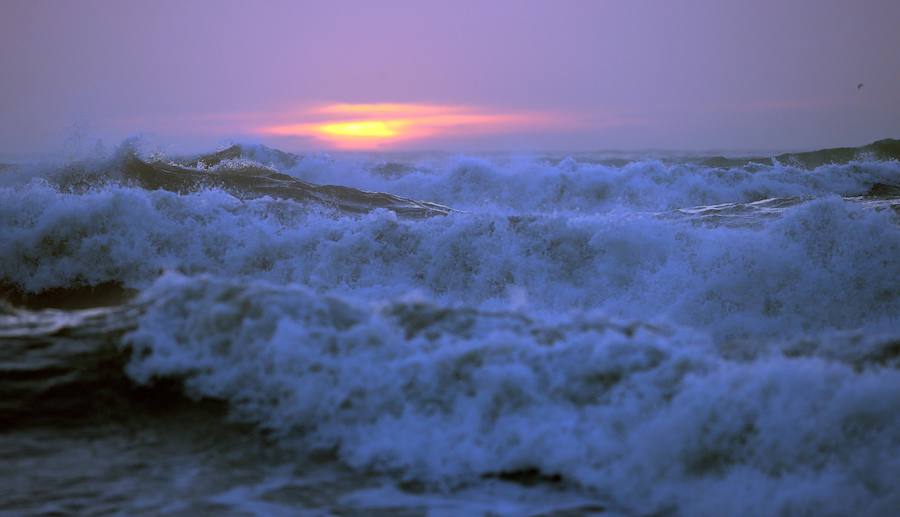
{"points": [[367, 126], [360, 129]]}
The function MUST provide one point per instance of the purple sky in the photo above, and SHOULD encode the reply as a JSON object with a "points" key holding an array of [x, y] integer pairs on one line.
{"points": [[713, 74]]}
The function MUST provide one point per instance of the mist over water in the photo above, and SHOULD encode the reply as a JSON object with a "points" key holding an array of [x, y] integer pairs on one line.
{"points": [[524, 334]]}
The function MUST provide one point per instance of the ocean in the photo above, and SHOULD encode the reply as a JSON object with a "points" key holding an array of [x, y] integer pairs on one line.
{"points": [[256, 332]]}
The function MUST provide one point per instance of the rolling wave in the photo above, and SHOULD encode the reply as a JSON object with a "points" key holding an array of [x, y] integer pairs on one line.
{"points": [[654, 333], [446, 395]]}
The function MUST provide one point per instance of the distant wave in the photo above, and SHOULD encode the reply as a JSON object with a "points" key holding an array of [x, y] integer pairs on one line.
{"points": [[586, 184], [233, 171], [883, 150]]}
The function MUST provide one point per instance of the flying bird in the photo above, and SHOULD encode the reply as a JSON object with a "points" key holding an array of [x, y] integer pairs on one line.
{"points": [[859, 86]]}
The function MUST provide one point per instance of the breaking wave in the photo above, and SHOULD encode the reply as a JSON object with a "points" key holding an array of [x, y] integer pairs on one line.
{"points": [[661, 333]]}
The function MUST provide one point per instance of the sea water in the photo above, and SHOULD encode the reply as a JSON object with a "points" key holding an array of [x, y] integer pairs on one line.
{"points": [[259, 332]]}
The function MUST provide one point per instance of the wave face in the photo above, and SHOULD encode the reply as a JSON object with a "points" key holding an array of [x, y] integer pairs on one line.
{"points": [[661, 335]]}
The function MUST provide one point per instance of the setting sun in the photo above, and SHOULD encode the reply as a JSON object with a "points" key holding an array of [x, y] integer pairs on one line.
{"points": [[368, 126], [360, 129]]}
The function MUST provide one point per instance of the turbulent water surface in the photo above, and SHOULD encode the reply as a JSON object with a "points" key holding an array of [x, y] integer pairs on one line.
{"points": [[258, 332]]}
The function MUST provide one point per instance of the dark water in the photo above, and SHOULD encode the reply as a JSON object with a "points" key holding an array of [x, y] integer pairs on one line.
{"points": [[258, 332]]}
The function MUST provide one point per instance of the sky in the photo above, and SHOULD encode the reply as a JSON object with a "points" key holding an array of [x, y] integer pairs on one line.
{"points": [[451, 75]]}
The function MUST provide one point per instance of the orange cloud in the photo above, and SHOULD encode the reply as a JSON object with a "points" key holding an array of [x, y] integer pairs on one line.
{"points": [[368, 126]]}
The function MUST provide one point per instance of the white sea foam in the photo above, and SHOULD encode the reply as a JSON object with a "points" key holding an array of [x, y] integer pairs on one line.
{"points": [[534, 185], [827, 263], [651, 418]]}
